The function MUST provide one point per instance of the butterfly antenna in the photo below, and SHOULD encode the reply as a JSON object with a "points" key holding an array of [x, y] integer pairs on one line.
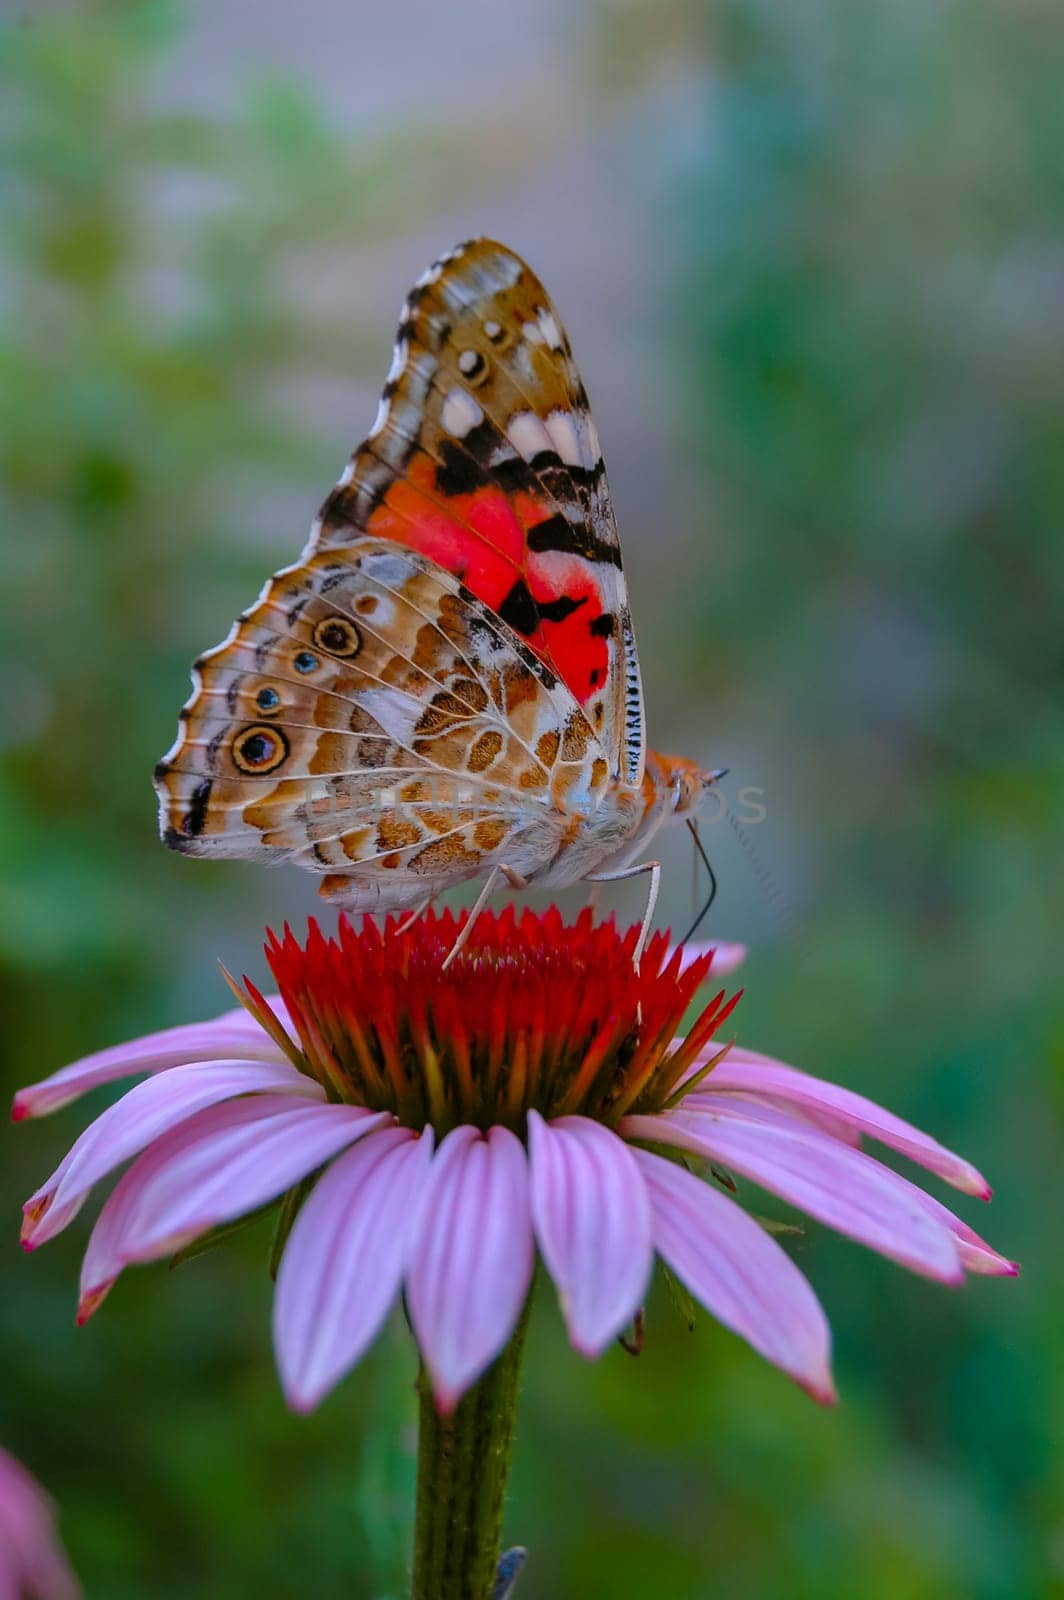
{"points": [[772, 891], [692, 827]]}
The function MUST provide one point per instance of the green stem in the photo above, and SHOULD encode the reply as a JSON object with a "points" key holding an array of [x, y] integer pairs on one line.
{"points": [[463, 1465]]}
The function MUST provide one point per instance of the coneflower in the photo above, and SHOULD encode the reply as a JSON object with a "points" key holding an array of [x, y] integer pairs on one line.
{"points": [[429, 1131]]}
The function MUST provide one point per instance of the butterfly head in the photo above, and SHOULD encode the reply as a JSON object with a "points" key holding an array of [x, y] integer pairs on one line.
{"points": [[685, 782]]}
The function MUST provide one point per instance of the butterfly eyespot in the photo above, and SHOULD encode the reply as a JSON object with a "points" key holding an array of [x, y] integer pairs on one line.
{"points": [[258, 749], [338, 636], [495, 331], [305, 662], [267, 699], [472, 366]]}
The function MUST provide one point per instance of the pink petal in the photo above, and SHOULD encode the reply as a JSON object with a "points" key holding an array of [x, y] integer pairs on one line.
{"points": [[726, 957], [343, 1264], [31, 1561], [233, 1034], [31, 1558], [471, 1263], [592, 1219], [214, 1167], [744, 1072], [739, 1273], [147, 1111], [841, 1187], [976, 1255]]}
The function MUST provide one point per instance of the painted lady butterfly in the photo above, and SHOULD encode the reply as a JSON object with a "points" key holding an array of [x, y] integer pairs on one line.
{"points": [[445, 686]]}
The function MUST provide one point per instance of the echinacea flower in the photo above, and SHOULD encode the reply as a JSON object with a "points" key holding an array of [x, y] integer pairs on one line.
{"points": [[447, 1124], [32, 1563]]}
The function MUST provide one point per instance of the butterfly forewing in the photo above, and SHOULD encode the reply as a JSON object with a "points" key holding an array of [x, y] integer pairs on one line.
{"points": [[485, 458]]}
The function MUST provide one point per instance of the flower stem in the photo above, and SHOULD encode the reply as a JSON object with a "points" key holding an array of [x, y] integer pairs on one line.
{"points": [[463, 1465]]}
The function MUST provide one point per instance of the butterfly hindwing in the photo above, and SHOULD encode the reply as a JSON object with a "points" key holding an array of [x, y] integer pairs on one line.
{"points": [[484, 458], [370, 718]]}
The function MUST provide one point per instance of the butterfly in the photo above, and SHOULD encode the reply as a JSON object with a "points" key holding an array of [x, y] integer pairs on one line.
{"points": [[445, 686]]}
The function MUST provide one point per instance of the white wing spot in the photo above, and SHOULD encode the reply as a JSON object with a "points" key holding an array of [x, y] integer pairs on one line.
{"points": [[551, 331], [492, 329], [528, 435], [532, 332], [460, 414], [468, 361], [382, 615], [561, 426]]}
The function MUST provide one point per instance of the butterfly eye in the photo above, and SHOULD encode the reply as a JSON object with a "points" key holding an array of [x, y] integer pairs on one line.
{"points": [[258, 749], [305, 662], [338, 636], [267, 699]]}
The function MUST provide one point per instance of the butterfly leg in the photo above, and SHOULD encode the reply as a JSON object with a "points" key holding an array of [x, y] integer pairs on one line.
{"points": [[514, 879], [412, 917], [654, 868]]}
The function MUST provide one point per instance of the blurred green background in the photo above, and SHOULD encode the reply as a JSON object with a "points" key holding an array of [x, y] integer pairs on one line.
{"points": [[812, 260]]}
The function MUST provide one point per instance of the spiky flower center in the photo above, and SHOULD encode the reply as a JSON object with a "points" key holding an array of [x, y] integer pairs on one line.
{"points": [[532, 1014]]}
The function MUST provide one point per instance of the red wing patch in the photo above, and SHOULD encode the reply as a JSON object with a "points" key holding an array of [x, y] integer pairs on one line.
{"points": [[549, 597]]}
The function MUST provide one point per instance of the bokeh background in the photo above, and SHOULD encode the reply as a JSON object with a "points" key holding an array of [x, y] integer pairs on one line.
{"points": [[812, 261]]}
